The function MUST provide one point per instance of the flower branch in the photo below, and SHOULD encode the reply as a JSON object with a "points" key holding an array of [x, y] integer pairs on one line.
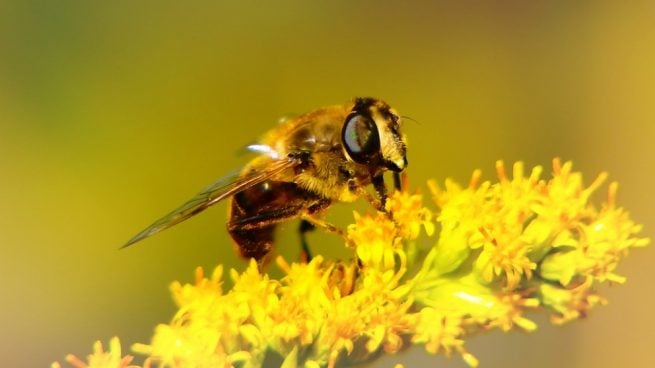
{"points": [[502, 249]]}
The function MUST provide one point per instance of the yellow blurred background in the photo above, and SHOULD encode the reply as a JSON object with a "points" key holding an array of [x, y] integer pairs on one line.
{"points": [[113, 113]]}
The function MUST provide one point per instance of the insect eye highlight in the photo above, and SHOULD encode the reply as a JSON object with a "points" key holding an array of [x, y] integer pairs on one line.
{"points": [[360, 138]]}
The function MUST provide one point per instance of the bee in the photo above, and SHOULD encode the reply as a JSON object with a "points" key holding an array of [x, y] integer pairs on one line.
{"points": [[303, 165]]}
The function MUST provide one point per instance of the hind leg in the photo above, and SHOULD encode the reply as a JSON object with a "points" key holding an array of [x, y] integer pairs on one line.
{"points": [[256, 211], [253, 235], [253, 243]]}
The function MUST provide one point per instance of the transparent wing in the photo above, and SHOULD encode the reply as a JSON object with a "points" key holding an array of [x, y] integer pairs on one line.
{"points": [[213, 194], [263, 149]]}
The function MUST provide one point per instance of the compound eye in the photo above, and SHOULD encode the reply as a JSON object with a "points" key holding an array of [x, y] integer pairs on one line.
{"points": [[360, 137]]}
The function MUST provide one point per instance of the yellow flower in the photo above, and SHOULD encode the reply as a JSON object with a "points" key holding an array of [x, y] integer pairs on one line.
{"points": [[492, 218], [212, 328], [299, 314], [570, 303], [507, 254], [439, 330], [409, 214], [374, 316], [608, 238], [503, 248], [375, 238], [102, 359]]}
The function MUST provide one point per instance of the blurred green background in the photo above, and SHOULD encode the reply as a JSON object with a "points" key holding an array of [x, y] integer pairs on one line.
{"points": [[113, 113]]}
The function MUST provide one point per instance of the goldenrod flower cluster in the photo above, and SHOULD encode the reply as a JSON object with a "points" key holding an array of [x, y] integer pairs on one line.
{"points": [[503, 248]]}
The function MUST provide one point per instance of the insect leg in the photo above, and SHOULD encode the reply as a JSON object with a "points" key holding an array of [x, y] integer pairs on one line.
{"points": [[380, 188], [317, 222], [254, 235], [305, 227], [255, 211], [308, 223], [396, 181], [371, 199]]}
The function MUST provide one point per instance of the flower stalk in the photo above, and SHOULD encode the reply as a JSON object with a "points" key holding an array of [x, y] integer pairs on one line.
{"points": [[503, 249]]}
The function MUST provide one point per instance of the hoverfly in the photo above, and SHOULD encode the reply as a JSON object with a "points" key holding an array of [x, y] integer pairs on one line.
{"points": [[303, 165]]}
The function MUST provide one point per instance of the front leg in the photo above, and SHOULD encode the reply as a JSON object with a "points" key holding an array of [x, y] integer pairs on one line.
{"points": [[380, 188], [397, 182]]}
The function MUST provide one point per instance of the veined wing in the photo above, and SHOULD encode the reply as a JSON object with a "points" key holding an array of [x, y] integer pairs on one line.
{"points": [[213, 194]]}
